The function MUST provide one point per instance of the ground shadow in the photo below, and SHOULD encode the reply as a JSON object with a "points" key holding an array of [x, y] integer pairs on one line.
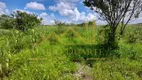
{"points": [[89, 53]]}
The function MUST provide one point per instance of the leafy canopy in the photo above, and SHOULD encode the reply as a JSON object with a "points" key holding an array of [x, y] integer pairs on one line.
{"points": [[115, 11], [20, 20]]}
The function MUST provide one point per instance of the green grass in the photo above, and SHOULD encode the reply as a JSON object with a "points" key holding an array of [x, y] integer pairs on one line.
{"points": [[39, 55]]}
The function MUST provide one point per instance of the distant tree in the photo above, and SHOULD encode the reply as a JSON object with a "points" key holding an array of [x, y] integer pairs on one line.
{"points": [[25, 21], [115, 12], [59, 23], [60, 26], [19, 20]]}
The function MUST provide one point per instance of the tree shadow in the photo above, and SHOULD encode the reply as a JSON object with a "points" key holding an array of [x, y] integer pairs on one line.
{"points": [[89, 53]]}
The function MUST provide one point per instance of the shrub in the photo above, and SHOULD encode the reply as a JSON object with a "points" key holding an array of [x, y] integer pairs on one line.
{"points": [[20, 21]]}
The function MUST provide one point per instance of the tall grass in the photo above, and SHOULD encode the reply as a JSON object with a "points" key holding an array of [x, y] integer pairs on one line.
{"points": [[39, 55]]}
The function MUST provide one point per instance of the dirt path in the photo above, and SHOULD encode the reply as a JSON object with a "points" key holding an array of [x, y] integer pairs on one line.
{"points": [[84, 72]]}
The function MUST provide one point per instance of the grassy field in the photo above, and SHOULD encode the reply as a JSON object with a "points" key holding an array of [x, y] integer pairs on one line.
{"points": [[69, 53]]}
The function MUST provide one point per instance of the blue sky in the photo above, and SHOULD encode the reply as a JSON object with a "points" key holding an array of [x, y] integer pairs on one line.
{"points": [[70, 11]]}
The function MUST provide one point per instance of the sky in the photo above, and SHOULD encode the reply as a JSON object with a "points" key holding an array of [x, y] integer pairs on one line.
{"points": [[69, 11]]}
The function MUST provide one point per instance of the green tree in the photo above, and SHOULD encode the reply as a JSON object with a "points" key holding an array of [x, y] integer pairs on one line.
{"points": [[115, 12], [6, 22], [25, 21], [20, 21]]}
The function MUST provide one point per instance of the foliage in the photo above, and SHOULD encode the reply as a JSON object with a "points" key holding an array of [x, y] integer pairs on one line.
{"points": [[115, 12], [20, 21], [7, 22], [30, 56], [60, 26], [133, 35]]}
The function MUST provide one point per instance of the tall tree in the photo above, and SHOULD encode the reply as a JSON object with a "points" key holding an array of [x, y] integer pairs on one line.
{"points": [[115, 12]]}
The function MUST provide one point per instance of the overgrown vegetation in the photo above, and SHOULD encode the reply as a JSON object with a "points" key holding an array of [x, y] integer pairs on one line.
{"points": [[19, 20], [29, 51], [32, 56]]}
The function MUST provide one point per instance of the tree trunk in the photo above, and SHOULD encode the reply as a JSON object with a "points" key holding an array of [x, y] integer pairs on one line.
{"points": [[111, 43]]}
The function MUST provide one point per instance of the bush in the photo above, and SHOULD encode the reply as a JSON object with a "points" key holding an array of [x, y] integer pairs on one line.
{"points": [[20, 21], [7, 22]]}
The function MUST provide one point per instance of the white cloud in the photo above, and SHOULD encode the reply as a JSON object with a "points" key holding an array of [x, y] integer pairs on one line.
{"points": [[47, 19], [3, 9], [39, 0], [35, 6], [52, 15], [28, 12], [62, 5], [71, 11], [69, 0], [7, 11], [43, 14], [2, 5]]}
